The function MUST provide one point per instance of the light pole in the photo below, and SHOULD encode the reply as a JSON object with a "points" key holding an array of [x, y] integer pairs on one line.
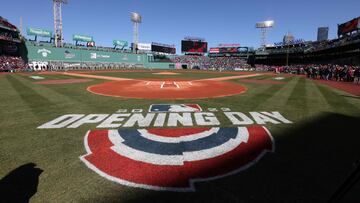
{"points": [[58, 21], [136, 19], [264, 26]]}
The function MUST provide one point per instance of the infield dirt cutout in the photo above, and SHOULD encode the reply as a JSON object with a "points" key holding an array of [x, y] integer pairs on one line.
{"points": [[166, 88]]}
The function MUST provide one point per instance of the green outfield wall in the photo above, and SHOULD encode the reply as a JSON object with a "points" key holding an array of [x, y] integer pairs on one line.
{"points": [[46, 52]]}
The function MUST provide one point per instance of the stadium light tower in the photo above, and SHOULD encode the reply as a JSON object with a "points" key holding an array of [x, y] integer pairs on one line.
{"points": [[136, 19], [58, 21], [264, 26]]}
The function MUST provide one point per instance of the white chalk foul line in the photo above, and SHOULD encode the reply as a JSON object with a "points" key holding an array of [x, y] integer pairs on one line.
{"points": [[97, 77], [229, 77], [176, 85]]}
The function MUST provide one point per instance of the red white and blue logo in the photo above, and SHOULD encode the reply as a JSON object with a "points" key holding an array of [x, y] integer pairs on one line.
{"points": [[175, 108], [174, 159]]}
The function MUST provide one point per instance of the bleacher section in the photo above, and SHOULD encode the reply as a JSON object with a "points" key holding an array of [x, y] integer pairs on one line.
{"points": [[212, 63], [344, 50], [11, 48]]}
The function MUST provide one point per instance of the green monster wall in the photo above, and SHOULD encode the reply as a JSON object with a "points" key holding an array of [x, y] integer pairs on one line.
{"points": [[50, 53]]}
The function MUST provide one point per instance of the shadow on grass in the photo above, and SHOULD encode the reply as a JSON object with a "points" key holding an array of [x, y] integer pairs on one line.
{"points": [[310, 163], [20, 184]]}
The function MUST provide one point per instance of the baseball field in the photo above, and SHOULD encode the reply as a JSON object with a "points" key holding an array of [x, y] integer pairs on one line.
{"points": [[177, 136]]}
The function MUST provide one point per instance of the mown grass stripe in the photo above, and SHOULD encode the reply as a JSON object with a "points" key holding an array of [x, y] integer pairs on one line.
{"points": [[9, 99], [258, 95], [337, 101], [46, 91], [315, 97], [37, 102], [297, 98], [279, 98]]}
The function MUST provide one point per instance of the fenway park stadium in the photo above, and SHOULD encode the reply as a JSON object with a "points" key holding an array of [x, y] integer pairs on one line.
{"points": [[192, 122]]}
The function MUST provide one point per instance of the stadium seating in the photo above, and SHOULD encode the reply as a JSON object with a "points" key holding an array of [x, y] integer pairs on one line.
{"points": [[201, 62], [212, 63], [316, 71], [11, 63], [228, 63]]}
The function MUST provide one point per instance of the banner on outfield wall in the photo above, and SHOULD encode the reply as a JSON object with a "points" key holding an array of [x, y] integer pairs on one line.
{"points": [[83, 38], [120, 43], [38, 53], [39, 32], [144, 46]]}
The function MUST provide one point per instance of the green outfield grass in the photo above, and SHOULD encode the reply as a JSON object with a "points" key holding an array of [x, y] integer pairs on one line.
{"points": [[312, 158]]}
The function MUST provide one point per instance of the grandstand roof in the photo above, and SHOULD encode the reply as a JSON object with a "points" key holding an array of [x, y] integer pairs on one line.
{"points": [[4, 23]]}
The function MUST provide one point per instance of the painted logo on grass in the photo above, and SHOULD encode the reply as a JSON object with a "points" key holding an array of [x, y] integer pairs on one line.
{"points": [[136, 150], [175, 108], [173, 159]]}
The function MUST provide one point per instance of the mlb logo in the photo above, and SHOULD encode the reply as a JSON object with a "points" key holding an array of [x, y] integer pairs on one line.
{"points": [[175, 108]]}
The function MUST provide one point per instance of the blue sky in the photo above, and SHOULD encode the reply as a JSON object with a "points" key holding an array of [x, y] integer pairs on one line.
{"points": [[169, 21]]}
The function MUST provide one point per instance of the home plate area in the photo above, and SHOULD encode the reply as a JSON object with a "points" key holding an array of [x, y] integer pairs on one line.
{"points": [[167, 89], [169, 84]]}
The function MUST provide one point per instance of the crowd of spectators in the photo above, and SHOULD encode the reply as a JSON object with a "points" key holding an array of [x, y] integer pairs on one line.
{"points": [[330, 72], [11, 63], [202, 62], [5, 35], [212, 63], [333, 72], [293, 69], [228, 63]]}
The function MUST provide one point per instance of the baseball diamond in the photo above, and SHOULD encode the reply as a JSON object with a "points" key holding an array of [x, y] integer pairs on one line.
{"points": [[143, 112]]}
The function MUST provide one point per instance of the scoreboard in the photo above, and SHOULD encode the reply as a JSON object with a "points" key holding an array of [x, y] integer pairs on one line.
{"points": [[163, 49], [188, 46]]}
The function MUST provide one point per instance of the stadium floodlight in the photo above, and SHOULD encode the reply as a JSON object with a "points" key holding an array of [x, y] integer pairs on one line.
{"points": [[136, 19], [264, 26], [58, 21], [269, 23]]}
